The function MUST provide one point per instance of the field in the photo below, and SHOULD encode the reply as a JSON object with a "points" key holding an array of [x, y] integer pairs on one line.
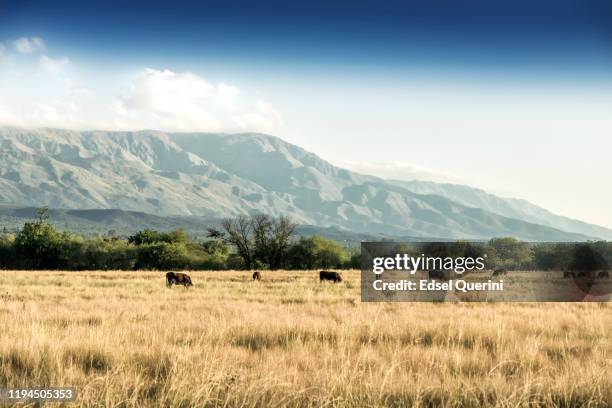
{"points": [[124, 339]]}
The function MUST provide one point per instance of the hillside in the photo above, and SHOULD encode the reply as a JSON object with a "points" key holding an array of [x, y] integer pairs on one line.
{"points": [[211, 176], [124, 223]]}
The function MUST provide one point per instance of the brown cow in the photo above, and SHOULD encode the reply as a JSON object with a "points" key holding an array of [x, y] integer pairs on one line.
{"points": [[500, 271], [256, 275], [178, 278], [330, 276], [603, 274]]}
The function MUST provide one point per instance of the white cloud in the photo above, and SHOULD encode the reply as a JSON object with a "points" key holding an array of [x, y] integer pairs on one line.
{"points": [[34, 94], [153, 99], [168, 100], [25, 45], [264, 118], [52, 65]]}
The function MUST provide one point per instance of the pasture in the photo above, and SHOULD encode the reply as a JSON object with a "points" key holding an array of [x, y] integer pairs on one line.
{"points": [[123, 339]]}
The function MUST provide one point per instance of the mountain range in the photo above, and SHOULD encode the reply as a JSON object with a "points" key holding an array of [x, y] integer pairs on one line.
{"points": [[205, 176]]}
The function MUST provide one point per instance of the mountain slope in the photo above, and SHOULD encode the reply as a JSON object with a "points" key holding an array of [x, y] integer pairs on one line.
{"points": [[212, 176], [508, 207]]}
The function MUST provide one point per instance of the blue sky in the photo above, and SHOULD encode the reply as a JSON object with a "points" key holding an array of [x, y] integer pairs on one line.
{"points": [[514, 97]]}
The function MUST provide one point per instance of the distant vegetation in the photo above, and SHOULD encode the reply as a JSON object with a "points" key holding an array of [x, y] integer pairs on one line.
{"points": [[258, 241], [254, 242]]}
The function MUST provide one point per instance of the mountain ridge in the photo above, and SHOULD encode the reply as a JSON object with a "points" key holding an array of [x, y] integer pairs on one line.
{"points": [[217, 175]]}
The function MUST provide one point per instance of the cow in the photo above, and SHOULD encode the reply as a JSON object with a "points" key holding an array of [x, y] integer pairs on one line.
{"points": [[178, 278], [330, 276], [603, 274], [439, 275], [569, 274], [256, 275], [584, 274], [500, 271]]}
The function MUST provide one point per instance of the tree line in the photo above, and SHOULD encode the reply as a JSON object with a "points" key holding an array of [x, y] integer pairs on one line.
{"points": [[513, 254], [243, 242], [250, 242]]}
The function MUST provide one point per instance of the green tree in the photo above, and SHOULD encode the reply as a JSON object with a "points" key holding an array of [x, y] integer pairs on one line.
{"points": [[271, 239], [39, 244], [7, 242], [145, 237], [509, 253], [163, 255], [317, 252], [150, 236]]}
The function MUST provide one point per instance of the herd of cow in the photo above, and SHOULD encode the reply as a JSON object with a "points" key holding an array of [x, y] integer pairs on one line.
{"points": [[179, 278], [600, 275]]}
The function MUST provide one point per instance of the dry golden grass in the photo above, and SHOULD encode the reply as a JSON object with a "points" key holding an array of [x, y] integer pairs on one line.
{"points": [[124, 339]]}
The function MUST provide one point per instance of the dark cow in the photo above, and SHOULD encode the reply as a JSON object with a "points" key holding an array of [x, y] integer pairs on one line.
{"points": [[569, 274], [178, 278], [330, 276], [500, 271], [584, 274], [439, 275], [256, 275], [603, 275]]}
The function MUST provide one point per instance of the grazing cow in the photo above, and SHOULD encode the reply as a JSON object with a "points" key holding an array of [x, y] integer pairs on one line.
{"points": [[330, 276], [584, 274], [177, 278], [569, 274], [439, 275], [256, 275], [500, 271], [603, 274]]}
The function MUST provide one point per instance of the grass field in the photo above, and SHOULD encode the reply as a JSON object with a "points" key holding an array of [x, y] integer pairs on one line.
{"points": [[124, 339]]}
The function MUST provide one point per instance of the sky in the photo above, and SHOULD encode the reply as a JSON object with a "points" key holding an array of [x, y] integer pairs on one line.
{"points": [[511, 96]]}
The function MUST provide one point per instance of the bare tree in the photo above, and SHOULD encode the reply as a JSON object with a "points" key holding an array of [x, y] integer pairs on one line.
{"points": [[237, 232], [283, 230], [272, 238], [257, 237]]}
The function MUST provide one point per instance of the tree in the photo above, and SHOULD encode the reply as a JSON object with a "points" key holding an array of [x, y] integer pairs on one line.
{"points": [[39, 244], [42, 215], [237, 232], [317, 252], [259, 238], [150, 236], [553, 256], [7, 242], [272, 238], [163, 255], [587, 260], [144, 237], [509, 253]]}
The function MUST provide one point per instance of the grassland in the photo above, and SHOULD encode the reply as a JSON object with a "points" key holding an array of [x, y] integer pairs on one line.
{"points": [[124, 339]]}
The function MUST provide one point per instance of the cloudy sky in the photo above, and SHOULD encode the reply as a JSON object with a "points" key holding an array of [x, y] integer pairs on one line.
{"points": [[514, 97]]}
